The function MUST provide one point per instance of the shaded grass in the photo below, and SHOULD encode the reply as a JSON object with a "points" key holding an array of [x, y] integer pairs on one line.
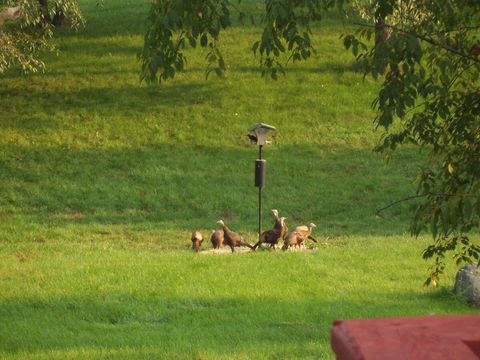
{"points": [[121, 186]]}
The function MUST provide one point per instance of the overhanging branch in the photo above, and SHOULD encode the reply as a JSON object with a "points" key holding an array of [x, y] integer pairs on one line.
{"points": [[411, 197], [425, 39]]}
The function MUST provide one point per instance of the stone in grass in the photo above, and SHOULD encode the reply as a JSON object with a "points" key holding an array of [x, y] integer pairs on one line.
{"points": [[467, 283]]}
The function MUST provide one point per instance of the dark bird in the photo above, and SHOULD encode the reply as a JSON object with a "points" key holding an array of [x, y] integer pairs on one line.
{"points": [[271, 236], [231, 238], [253, 139], [197, 240], [217, 238]]}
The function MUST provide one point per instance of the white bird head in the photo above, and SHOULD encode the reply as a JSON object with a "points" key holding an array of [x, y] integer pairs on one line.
{"points": [[220, 222], [275, 212]]}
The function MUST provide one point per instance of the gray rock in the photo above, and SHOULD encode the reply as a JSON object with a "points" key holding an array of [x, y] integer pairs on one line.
{"points": [[467, 283]]}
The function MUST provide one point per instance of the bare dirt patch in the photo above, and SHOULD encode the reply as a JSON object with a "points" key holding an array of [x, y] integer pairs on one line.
{"points": [[226, 250]]}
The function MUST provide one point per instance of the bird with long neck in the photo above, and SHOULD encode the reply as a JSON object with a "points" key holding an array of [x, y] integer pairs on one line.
{"points": [[306, 233], [271, 236], [278, 225], [231, 238], [298, 236]]}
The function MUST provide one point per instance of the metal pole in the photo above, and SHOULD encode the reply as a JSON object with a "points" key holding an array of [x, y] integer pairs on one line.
{"points": [[260, 199]]}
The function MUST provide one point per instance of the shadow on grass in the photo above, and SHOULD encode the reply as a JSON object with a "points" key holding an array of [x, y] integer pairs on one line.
{"points": [[336, 68], [121, 17], [186, 326], [91, 69], [139, 100], [191, 186]]}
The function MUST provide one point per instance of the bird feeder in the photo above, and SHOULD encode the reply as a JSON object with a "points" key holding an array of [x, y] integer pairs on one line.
{"points": [[259, 137], [261, 130]]}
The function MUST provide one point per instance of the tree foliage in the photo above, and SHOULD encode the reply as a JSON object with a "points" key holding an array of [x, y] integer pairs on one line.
{"points": [[24, 38], [175, 24], [429, 66]]}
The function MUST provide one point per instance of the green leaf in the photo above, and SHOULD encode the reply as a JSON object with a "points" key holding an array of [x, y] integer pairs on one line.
{"points": [[204, 40], [255, 46]]}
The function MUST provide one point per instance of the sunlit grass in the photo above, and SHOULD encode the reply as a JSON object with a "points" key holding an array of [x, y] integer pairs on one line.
{"points": [[122, 299]]}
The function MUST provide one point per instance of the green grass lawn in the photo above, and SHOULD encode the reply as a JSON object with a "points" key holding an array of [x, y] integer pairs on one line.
{"points": [[123, 300], [103, 179]]}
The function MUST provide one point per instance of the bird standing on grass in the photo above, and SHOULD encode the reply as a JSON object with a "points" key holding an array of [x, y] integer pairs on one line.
{"points": [[298, 236], [231, 238], [278, 225], [217, 238], [306, 232], [271, 236], [197, 240]]}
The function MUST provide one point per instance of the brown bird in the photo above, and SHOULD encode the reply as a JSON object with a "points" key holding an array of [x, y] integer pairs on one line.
{"points": [[197, 240], [216, 238], [231, 238], [271, 236], [306, 233], [298, 236], [278, 225], [290, 240]]}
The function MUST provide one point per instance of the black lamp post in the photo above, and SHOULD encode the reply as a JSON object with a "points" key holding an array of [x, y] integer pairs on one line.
{"points": [[260, 138]]}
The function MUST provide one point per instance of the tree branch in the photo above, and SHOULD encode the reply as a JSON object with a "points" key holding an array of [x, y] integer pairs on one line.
{"points": [[378, 211], [425, 39], [411, 197]]}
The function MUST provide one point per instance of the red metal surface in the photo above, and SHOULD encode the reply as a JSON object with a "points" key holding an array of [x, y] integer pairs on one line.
{"points": [[423, 337]]}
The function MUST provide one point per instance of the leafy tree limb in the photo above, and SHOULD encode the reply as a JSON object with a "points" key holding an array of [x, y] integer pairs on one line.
{"points": [[23, 38]]}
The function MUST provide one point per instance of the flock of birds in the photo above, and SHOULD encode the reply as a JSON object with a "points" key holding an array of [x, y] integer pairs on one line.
{"points": [[228, 237]]}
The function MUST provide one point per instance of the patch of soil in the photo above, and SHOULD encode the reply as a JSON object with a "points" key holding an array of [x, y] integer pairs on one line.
{"points": [[226, 250]]}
